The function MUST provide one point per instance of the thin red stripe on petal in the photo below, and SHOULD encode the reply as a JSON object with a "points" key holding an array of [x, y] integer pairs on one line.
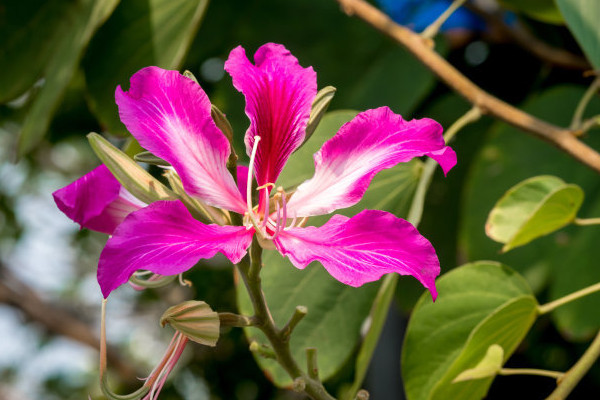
{"points": [[279, 94]]}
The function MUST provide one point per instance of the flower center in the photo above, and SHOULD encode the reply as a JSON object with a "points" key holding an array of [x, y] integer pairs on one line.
{"points": [[267, 225]]}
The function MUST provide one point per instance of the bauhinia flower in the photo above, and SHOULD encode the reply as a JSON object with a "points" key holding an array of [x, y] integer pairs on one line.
{"points": [[169, 114]]}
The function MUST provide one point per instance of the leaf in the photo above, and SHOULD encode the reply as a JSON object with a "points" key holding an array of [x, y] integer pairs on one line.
{"points": [[533, 208], [394, 78], [133, 177], [479, 304], [582, 19], [138, 34], [332, 325], [565, 260], [489, 365], [542, 10], [79, 24], [29, 32]]}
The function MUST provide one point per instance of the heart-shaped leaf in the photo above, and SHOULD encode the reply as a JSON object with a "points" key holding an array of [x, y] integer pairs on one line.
{"points": [[479, 305], [533, 208]]}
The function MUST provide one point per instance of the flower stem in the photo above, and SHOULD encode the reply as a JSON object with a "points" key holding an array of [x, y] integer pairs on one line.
{"points": [[548, 307], [531, 371], [435, 26], [572, 377], [586, 221], [249, 268]]}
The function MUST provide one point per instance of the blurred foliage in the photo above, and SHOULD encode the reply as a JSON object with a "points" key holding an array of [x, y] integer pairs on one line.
{"points": [[61, 61]]}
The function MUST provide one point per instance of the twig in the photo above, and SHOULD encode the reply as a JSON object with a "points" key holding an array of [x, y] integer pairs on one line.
{"points": [[531, 371], [562, 138], [548, 307], [585, 99], [577, 371], [55, 319], [434, 27], [522, 37], [586, 221]]}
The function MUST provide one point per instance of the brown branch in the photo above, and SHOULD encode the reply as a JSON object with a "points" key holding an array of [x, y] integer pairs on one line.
{"points": [[56, 319], [522, 37], [562, 138]]}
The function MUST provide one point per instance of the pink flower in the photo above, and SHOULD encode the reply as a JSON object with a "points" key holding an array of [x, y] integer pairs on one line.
{"points": [[169, 115]]}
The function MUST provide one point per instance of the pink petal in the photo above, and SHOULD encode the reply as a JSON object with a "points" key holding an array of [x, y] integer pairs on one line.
{"points": [[279, 94], [165, 239], [362, 248], [242, 179], [169, 115], [96, 201], [372, 141]]}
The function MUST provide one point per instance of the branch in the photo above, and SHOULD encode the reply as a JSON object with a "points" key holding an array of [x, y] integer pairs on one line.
{"points": [[522, 37], [562, 138], [264, 321], [55, 319]]}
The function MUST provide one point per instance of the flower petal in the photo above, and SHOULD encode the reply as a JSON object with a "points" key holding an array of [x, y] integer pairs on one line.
{"points": [[169, 115], [372, 141], [362, 248], [165, 239], [96, 201], [279, 94]]}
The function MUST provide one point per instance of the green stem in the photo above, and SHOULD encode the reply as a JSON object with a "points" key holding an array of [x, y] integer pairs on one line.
{"points": [[588, 95], [548, 307], [577, 372], [416, 209], [435, 26], [264, 321], [586, 221], [531, 371]]}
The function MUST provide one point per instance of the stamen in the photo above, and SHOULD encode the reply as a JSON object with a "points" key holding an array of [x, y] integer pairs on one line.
{"points": [[249, 184], [277, 225], [283, 204]]}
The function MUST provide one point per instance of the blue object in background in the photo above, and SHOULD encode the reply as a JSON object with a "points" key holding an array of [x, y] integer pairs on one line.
{"points": [[419, 14]]}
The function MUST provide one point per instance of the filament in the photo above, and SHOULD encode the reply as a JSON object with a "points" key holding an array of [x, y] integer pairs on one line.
{"points": [[249, 184]]}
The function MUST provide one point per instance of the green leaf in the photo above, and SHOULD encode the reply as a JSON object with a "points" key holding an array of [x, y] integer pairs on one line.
{"points": [[79, 24], [533, 208], [138, 34], [133, 177], [582, 19], [541, 10], [29, 32], [479, 304], [332, 324], [489, 365], [564, 260]]}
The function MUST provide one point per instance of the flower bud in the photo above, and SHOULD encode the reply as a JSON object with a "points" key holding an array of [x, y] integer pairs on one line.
{"points": [[195, 320]]}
